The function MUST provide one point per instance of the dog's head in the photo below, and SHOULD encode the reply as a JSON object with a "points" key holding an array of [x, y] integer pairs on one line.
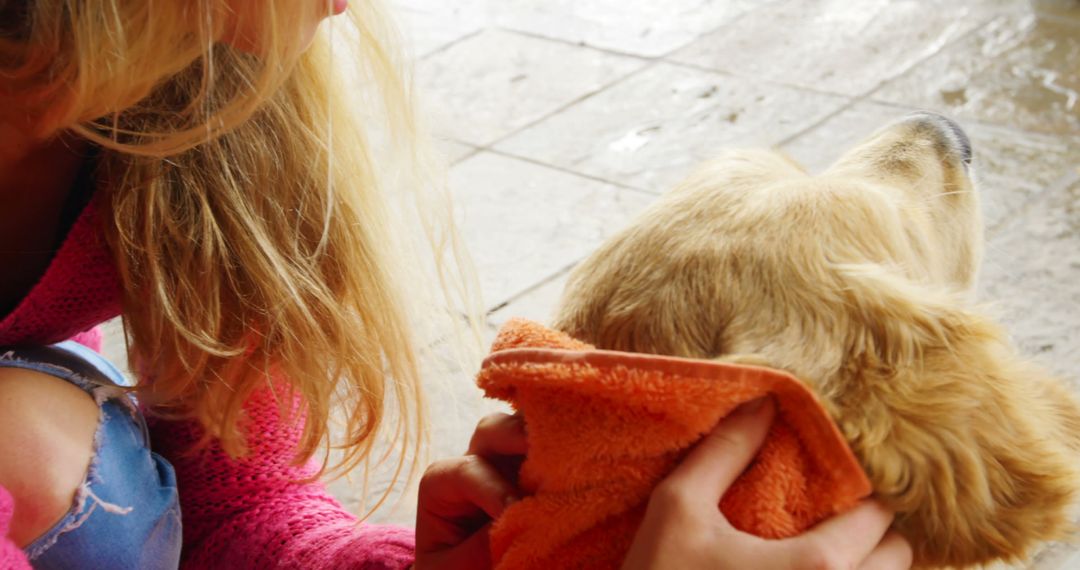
{"points": [[860, 282], [753, 256]]}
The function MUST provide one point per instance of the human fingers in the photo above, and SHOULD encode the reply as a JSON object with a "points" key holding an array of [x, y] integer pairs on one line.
{"points": [[892, 553], [499, 434], [473, 553], [718, 460], [847, 539], [463, 487]]}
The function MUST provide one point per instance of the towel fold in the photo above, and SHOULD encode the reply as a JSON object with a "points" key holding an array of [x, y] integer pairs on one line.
{"points": [[605, 427]]}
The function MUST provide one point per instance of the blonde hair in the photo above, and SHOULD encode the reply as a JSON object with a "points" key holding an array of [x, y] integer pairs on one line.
{"points": [[248, 221]]}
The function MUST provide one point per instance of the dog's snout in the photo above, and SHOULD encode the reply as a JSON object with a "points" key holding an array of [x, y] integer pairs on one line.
{"points": [[951, 133]]}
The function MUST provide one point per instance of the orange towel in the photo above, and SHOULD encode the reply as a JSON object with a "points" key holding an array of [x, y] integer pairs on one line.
{"points": [[605, 427]]}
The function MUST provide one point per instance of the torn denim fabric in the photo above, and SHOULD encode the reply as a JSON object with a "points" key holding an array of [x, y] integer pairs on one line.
{"points": [[126, 513]]}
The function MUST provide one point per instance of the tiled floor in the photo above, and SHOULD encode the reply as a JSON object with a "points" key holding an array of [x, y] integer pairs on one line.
{"points": [[562, 118]]}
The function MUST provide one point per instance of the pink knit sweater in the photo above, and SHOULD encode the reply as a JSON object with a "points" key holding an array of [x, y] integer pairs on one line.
{"points": [[250, 513]]}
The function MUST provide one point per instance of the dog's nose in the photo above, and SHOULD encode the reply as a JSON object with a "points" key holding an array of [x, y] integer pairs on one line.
{"points": [[951, 131]]}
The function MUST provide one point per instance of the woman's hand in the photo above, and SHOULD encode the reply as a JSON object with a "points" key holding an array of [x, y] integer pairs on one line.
{"points": [[459, 497], [683, 528]]}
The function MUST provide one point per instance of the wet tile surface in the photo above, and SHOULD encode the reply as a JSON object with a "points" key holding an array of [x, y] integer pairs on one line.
{"points": [[524, 222], [1031, 272], [1014, 166], [636, 27], [832, 45], [496, 82], [1010, 166], [639, 27], [1020, 71], [651, 129], [428, 27], [538, 304]]}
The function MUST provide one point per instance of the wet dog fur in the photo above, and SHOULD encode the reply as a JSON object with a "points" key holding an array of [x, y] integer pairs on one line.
{"points": [[860, 282]]}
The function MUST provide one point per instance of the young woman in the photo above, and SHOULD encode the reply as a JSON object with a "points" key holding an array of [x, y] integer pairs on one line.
{"points": [[195, 166]]}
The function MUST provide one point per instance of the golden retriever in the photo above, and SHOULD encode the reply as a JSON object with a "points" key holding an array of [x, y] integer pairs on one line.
{"points": [[860, 283]]}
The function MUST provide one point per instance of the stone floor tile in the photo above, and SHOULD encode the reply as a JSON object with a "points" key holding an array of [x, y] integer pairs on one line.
{"points": [[837, 46], [1014, 166], [453, 151], [496, 82], [431, 25], [1056, 556], [1020, 71], [523, 222], [1060, 8], [651, 129], [1010, 166], [639, 27], [536, 305], [1030, 274]]}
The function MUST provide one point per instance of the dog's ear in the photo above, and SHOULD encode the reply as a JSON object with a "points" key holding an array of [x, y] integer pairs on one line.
{"points": [[974, 447]]}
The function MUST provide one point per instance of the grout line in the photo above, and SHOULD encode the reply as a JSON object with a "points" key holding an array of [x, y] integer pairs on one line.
{"points": [[566, 106], [650, 193], [867, 95], [990, 20], [648, 63], [756, 79], [571, 43], [987, 19], [533, 288], [817, 124], [449, 44], [745, 14], [490, 146], [659, 57], [473, 151]]}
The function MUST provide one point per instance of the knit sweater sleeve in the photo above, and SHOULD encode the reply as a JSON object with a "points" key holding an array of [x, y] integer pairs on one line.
{"points": [[256, 512], [11, 556]]}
